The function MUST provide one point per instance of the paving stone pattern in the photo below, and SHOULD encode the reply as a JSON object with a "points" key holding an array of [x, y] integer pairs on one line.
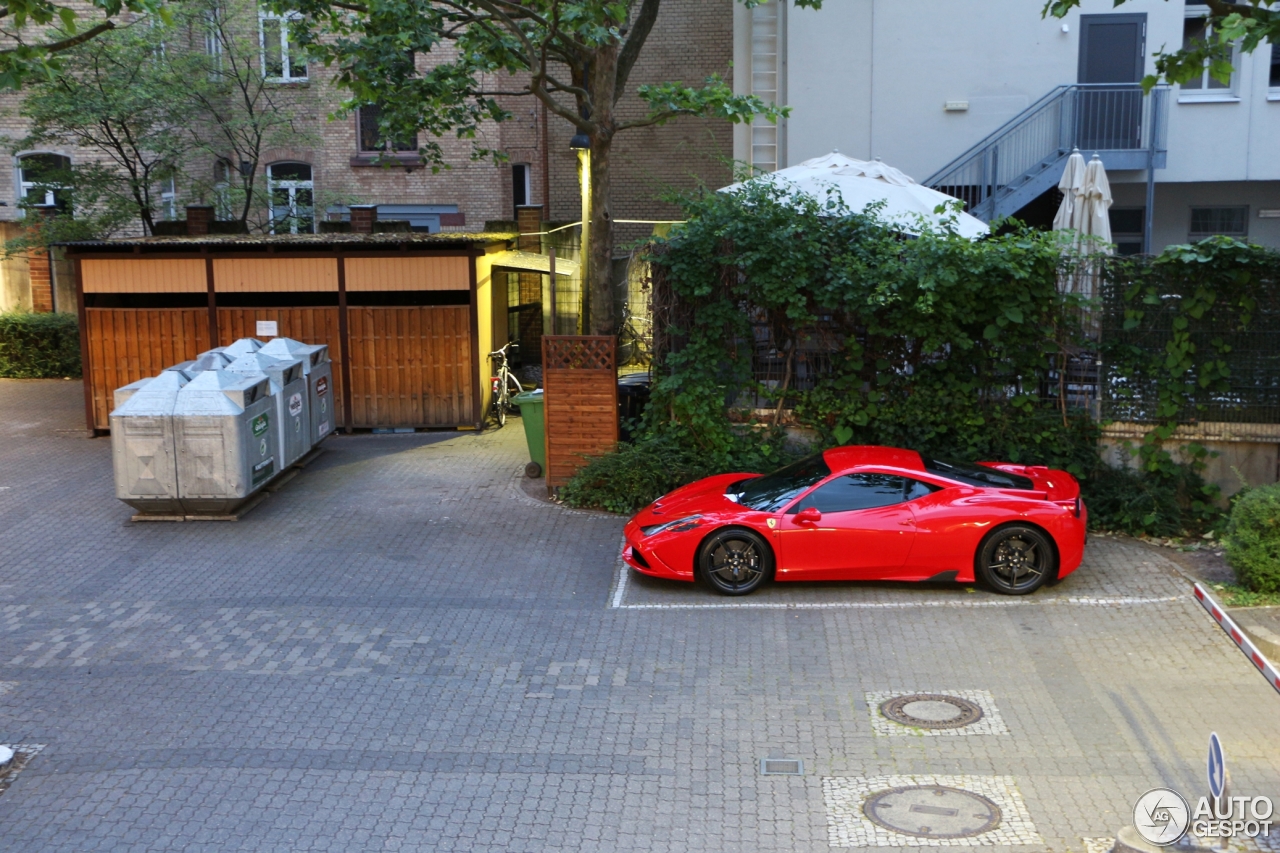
{"points": [[401, 650]]}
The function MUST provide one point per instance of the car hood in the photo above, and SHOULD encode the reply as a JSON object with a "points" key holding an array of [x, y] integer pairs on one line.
{"points": [[705, 495]]}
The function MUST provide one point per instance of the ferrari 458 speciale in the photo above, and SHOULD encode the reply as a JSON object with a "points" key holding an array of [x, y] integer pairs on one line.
{"points": [[866, 513]]}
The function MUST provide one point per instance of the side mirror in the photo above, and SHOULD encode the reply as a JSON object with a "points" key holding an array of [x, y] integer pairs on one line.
{"points": [[809, 515]]}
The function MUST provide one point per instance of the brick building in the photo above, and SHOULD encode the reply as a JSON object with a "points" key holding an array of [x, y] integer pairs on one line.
{"points": [[331, 163]]}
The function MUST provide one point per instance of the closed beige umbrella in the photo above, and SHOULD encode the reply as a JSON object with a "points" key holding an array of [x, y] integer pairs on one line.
{"points": [[1091, 217], [1071, 184]]}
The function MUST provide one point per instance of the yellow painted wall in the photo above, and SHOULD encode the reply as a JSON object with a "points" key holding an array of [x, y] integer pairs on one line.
{"points": [[491, 319]]}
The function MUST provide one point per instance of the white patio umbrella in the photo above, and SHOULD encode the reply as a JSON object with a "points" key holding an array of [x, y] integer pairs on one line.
{"points": [[862, 183], [1090, 217], [1071, 184]]}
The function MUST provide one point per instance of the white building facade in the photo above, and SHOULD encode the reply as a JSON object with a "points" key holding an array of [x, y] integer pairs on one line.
{"points": [[918, 83]]}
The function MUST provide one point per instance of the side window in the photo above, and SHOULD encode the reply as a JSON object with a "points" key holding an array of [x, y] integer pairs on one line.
{"points": [[855, 491], [917, 489]]}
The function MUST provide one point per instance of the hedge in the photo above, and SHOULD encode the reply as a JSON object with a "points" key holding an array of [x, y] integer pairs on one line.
{"points": [[1253, 539], [39, 346]]}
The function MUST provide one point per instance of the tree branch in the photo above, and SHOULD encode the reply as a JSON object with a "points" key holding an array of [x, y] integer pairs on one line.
{"points": [[635, 43], [68, 43]]}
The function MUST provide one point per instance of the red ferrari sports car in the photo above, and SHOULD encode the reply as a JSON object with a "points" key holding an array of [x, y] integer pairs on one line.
{"points": [[866, 513]]}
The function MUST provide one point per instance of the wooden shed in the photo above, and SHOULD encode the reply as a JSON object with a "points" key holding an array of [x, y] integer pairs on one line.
{"points": [[409, 317]]}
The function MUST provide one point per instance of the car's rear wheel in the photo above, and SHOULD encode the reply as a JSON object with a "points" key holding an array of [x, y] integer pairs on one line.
{"points": [[1016, 560], [735, 561]]}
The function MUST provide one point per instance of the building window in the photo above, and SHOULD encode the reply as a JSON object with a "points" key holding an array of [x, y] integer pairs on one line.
{"points": [[1196, 30], [282, 59], [292, 198], [169, 198], [213, 39], [222, 189], [1274, 82], [1126, 229], [520, 191], [371, 139], [41, 180], [1230, 221]]}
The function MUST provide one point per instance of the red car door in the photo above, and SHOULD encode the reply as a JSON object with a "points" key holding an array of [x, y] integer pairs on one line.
{"points": [[853, 526]]}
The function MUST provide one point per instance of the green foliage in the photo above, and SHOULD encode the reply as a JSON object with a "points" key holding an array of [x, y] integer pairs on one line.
{"points": [[156, 107], [33, 52], [938, 343], [575, 57], [1253, 539], [39, 346], [638, 474]]}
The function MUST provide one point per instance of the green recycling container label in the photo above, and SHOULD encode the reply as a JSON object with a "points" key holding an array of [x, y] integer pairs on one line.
{"points": [[260, 424]]}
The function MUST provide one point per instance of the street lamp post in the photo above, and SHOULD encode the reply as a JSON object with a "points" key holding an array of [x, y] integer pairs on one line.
{"points": [[581, 143]]}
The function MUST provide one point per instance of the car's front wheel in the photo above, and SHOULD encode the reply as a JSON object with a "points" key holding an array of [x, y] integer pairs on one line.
{"points": [[735, 561], [1016, 560]]}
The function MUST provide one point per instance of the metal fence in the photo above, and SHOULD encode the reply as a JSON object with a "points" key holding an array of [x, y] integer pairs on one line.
{"points": [[1249, 354]]}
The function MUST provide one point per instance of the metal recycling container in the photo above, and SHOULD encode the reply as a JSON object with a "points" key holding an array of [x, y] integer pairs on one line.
{"points": [[211, 360], [289, 387], [143, 443], [121, 395], [531, 415], [319, 370], [244, 346], [227, 445]]}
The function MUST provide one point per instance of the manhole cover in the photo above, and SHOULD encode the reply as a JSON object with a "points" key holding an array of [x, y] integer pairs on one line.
{"points": [[931, 711], [932, 811]]}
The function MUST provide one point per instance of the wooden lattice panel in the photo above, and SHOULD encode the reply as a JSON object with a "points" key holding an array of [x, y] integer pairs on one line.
{"points": [[580, 380], [579, 352]]}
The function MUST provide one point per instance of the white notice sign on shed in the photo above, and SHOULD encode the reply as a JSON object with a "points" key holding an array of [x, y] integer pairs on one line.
{"points": [[268, 329]]}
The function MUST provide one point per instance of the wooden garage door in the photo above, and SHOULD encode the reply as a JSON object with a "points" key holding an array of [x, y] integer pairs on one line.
{"points": [[411, 366], [309, 325], [128, 344]]}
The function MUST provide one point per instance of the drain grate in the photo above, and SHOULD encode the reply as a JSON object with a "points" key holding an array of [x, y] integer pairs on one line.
{"points": [[931, 711], [932, 811], [781, 767]]}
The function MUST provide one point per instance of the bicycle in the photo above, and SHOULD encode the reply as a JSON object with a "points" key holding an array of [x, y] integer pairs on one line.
{"points": [[503, 384]]}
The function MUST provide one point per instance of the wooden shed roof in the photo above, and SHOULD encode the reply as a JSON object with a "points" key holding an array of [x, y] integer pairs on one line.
{"points": [[386, 240]]}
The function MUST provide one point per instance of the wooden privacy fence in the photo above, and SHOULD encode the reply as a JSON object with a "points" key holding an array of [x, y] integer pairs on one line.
{"points": [[580, 383]]}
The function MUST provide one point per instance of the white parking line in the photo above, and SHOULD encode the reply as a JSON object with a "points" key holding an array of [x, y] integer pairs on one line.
{"points": [[618, 596]]}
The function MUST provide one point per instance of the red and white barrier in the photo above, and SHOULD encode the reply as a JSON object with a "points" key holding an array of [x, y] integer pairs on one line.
{"points": [[1257, 658]]}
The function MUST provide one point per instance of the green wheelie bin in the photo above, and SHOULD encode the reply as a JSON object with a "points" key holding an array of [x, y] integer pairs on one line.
{"points": [[530, 403]]}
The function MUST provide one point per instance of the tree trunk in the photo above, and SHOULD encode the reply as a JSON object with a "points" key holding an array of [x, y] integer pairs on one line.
{"points": [[599, 251], [600, 235]]}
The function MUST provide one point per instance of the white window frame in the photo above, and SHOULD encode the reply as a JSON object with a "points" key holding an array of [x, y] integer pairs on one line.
{"points": [[213, 38], [1203, 94], [1273, 92], [222, 188], [169, 198], [293, 212], [285, 59], [25, 186]]}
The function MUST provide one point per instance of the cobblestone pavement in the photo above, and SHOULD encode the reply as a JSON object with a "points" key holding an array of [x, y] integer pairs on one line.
{"points": [[401, 650]]}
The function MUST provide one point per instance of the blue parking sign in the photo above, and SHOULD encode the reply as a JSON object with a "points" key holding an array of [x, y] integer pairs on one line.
{"points": [[1217, 766]]}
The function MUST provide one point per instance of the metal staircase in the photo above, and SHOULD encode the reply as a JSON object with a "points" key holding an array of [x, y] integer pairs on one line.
{"points": [[1026, 155]]}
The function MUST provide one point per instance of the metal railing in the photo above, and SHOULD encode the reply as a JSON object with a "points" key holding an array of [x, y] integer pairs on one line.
{"points": [[1022, 158]]}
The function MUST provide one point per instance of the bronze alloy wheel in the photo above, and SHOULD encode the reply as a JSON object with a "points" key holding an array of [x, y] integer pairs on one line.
{"points": [[735, 561]]}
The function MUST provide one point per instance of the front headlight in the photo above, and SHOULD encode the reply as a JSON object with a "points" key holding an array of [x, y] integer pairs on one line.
{"points": [[679, 524]]}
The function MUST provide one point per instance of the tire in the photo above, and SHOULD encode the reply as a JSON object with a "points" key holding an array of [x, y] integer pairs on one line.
{"points": [[1016, 560], [533, 470], [735, 561]]}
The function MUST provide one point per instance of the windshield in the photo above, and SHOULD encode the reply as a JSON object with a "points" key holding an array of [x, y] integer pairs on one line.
{"points": [[774, 491], [977, 475]]}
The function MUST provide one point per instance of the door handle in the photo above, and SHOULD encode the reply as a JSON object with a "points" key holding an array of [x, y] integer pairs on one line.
{"points": [[907, 523]]}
